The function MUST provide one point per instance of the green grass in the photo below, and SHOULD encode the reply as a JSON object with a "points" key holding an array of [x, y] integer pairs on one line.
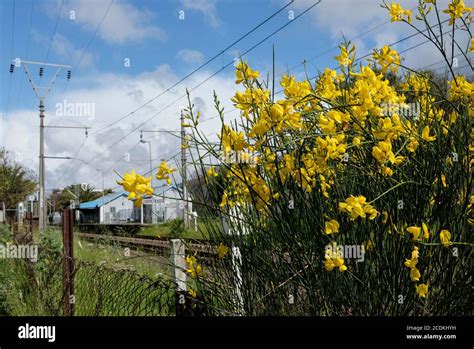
{"points": [[109, 254], [174, 229], [106, 282]]}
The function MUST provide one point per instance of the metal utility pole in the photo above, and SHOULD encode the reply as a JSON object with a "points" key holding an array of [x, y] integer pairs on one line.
{"points": [[183, 175], [41, 93], [153, 215], [173, 133], [42, 211], [103, 194]]}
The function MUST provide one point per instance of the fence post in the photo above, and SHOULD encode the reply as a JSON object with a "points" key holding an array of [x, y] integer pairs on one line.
{"points": [[178, 272], [229, 224], [68, 264]]}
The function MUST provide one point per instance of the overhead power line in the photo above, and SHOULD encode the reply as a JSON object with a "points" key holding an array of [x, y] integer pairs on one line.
{"points": [[97, 155]]}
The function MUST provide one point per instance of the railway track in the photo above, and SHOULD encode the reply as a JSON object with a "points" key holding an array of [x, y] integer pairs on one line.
{"points": [[151, 243]]}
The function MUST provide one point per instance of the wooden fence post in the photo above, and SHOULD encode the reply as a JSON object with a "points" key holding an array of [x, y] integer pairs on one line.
{"points": [[68, 263], [178, 272]]}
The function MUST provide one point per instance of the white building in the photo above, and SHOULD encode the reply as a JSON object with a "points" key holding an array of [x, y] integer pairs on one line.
{"points": [[114, 208], [168, 203]]}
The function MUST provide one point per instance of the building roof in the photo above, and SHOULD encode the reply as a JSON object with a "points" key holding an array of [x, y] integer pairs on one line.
{"points": [[101, 201]]}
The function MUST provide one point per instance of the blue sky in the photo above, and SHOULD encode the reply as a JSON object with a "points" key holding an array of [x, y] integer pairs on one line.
{"points": [[161, 49]]}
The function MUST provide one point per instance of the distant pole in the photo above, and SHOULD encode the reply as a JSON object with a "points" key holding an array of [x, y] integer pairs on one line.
{"points": [[41, 93], [153, 217], [42, 194], [102, 216], [184, 172]]}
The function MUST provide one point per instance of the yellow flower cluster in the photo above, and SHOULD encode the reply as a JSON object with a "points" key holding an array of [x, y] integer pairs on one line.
{"points": [[232, 140], [461, 90], [415, 275], [164, 172], [398, 13], [346, 58], [137, 186], [222, 250], [445, 237], [416, 232], [243, 73], [331, 227], [357, 207], [334, 260], [456, 9], [387, 58], [383, 153], [194, 269]]}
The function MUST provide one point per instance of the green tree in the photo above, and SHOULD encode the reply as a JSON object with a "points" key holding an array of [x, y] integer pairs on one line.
{"points": [[16, 181], [79, 193]]}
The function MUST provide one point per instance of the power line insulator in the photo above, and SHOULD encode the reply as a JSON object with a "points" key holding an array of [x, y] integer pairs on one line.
{"points": [[12, 68], [41, 71], [69, 74]]}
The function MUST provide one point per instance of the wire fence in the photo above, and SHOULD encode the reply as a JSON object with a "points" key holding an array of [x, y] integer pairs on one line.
{"points": [[102, 291], [98, 291]]}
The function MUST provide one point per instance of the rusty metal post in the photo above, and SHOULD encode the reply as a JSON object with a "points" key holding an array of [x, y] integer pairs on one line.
{"points": [[68, 264]]}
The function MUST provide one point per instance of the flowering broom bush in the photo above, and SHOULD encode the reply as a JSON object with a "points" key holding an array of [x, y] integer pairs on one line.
{"points": [[350, 195]]}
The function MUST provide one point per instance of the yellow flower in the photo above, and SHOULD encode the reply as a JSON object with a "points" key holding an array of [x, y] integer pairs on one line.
{"points": [[345, 58], [384, 217], [397, 13], [192, 293], [356, 141], [232, 140], [445, 237], [456, 9], [415, 231], [194, 268], [415, 274], [137, 186], [331, 227], [333, 260], [222, 250], [387, 58], [426, 233], [411, 263], [471, 48], [211, 172], [244, 73], [443, 180], [357, 207], [413, 145], [422, 290], [460, 89], [425, 134], [164, 172]]}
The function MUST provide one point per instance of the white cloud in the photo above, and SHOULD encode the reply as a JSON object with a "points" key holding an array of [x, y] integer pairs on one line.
{"points": [[124, 22], [351, 19], [206, 7], [63, 47], [190, 56], [114, 96]]}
